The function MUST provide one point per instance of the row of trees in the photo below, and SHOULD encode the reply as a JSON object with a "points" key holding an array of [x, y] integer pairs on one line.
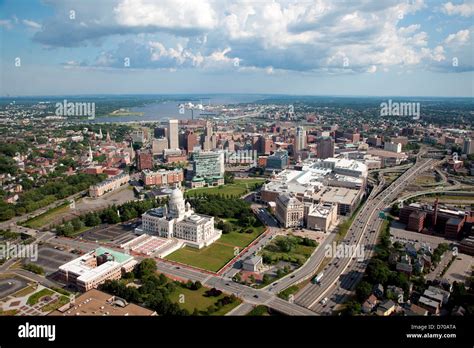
{"points": [[48, 193], [111, 215]]}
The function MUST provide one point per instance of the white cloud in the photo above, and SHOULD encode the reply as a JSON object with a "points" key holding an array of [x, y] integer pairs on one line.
{"points": [[31, 24], [460, 38], [169, 14], [6, 23], [465, 9]]}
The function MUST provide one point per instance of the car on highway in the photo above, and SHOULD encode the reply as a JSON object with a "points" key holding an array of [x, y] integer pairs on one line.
{"points": [[324, 301]]}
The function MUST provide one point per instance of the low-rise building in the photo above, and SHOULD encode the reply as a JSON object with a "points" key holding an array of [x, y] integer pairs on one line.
{"points": [[252, 264], [162, 177], [95, 302], [108, 185], [94, 268], [289, 210], [321, 216]]}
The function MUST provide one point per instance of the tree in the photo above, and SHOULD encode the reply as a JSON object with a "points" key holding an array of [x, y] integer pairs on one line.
{"points": [[378, 271], [363, 290], [145, 268], [229, 178]]}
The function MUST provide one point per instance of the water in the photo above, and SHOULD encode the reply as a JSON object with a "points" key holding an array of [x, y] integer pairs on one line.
{"points": [[162, 111]]}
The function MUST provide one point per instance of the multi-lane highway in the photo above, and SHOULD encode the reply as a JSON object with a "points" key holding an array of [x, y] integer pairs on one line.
{"points": [[342, 274]]}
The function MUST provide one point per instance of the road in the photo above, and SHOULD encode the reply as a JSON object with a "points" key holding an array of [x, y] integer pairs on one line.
{"points": [[247, 294], [336, 283]]}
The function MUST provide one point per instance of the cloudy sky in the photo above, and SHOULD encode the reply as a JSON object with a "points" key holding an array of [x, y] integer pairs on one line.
{"points": [[311, 47]]}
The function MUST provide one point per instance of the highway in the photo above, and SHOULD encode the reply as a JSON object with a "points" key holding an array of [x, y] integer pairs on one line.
{"points": [[336, 282]]}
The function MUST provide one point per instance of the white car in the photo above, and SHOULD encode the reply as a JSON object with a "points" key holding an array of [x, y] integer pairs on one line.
{"points": [[324, 301]]}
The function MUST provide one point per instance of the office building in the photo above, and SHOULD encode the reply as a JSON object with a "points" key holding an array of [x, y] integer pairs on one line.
{"points": [[325, 147], [321, 216], [144, 159], [173, 134], [300, 139], [208, 169], [393, 147], [468, 146], [94, 268], [162, 177], [159, 145], [278, 160], [289, 210], [108, 185]]}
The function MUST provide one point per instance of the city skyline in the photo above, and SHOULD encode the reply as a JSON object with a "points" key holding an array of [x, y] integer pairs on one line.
{"points": [[392, 48]]}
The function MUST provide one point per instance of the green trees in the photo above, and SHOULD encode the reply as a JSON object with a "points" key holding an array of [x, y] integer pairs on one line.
{"points": [[363, 290], [229, 178], [378, 271], [145, 268]]}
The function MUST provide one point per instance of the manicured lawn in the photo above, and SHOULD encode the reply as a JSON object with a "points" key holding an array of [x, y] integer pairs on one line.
{"points": [[212, 258], [56, 304], [195, 299], [238, 188], [243, 239], [33, 299], [46, 217]]}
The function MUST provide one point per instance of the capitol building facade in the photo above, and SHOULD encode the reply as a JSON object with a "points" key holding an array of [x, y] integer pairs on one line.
{"points": [[178, 220]]}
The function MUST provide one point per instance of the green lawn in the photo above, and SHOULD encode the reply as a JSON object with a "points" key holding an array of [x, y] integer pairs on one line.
{"points": [[215, 256], [33, 299], [211, 258], [48, 216], [238, 188], [56, 304], [195, 299], [243, 239]]}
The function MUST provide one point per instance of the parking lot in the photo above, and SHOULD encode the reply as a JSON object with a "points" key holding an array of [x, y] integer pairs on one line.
{"points": [[397, 230], [10, 285], [116, 234], [50, 259], [460, 270]]}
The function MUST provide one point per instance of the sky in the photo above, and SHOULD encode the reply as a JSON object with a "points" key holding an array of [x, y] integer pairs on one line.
{"points": [[306, 47]]}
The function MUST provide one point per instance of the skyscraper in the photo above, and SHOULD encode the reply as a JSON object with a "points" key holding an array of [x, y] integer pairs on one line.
{"points": [[325, 147], [173, 134], [300, 140]]}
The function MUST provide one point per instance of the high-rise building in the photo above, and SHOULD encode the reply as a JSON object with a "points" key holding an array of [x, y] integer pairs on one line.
{"points": [[158, 145], [173, 134], [191, 140], [208, 168], [207, 141], [468, 146], [278, 160], [325, 147], [300, 140], [264, 145], [144, 159]]}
